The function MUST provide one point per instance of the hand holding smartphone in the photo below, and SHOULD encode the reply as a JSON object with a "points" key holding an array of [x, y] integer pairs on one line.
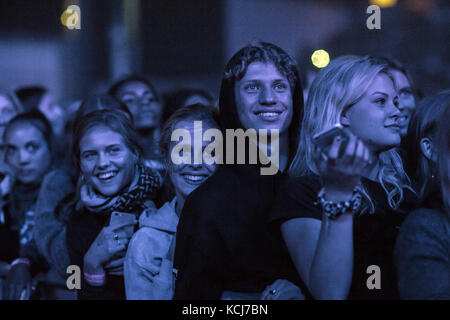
{"points": [[324, 139], [340, 162], [124, 221]]}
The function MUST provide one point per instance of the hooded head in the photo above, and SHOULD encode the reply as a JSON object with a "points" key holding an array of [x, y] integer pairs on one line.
{"points": [[266, 57]]}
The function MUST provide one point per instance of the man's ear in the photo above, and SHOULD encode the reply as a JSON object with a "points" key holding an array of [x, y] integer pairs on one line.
{"points": [[426, 145]]}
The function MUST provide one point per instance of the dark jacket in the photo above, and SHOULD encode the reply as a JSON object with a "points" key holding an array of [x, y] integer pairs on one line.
{"points": [[17, 230], [82, 229], [84, 226], [422, 255], [50, 230]]}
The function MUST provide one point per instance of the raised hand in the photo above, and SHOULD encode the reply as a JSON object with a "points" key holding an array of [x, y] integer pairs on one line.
{"points": [[110, 245], [341, 170]]}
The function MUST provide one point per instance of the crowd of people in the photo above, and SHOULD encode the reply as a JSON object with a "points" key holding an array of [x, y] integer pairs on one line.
{"points": [[358, 207]]}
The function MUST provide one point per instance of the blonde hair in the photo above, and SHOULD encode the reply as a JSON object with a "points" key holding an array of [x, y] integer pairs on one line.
{"points": [[336, 88]]}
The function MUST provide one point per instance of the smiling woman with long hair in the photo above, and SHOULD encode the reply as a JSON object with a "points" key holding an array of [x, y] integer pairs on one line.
{"points": [[114, 188], [339, 212], [149, 261]]}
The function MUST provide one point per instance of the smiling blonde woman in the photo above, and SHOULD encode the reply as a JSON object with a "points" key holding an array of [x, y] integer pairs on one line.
{"points": [[114, 182], [339, 212], [149, 273]]}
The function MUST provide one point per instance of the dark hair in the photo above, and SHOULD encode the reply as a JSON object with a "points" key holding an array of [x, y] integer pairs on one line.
{"points": [[443, 152], [423, 123], [176, 100], [113, 90], [236, 69], [36, 119], [116, 120], [30, 97], [101, 102], [195, 112], [11, 96], [93, 103], [261, 52]]}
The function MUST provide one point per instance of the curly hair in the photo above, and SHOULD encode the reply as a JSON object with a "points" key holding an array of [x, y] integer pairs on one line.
{"points": [[261, 52], [235, 70]]}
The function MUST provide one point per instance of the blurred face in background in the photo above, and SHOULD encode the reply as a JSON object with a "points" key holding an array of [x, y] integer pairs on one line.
{"points": [[374, 118], [406, 100], [106, 162], [187, 177], [7, 112], [53, 112], [27, 152], [142, 103], [263, 98]]}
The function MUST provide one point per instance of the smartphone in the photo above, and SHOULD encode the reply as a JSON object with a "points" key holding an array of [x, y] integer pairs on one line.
{"points": [[325, 139], [122, 219]]}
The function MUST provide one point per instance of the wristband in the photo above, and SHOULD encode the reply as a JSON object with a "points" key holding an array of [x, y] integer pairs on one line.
{"points": [[20, 260], [95, 279], [334, 209]]}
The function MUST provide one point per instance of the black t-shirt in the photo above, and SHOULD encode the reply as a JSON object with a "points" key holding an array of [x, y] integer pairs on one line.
{"points": [[223, 238], [374, 234]]}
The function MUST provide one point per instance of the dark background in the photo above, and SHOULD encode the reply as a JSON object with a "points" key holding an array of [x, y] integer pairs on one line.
{"points": [[187, 43]]}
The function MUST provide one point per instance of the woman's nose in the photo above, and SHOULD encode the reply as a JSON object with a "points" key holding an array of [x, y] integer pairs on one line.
{"points": [[396, 112], [398, 103], [103, 160], [24, 157]]}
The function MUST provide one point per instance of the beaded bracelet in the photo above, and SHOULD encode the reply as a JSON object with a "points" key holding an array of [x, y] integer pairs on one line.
{"points": [[334, 209]]}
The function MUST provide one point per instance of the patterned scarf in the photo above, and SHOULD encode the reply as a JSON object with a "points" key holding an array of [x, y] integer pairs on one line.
{"points": [[141, 190]]}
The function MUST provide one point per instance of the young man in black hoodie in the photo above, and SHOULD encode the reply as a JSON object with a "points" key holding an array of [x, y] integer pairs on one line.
{"points": [[223, 241]]}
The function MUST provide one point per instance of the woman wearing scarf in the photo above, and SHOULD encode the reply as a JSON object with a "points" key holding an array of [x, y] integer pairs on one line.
{"points": [[58, 193], [114, 188]]}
